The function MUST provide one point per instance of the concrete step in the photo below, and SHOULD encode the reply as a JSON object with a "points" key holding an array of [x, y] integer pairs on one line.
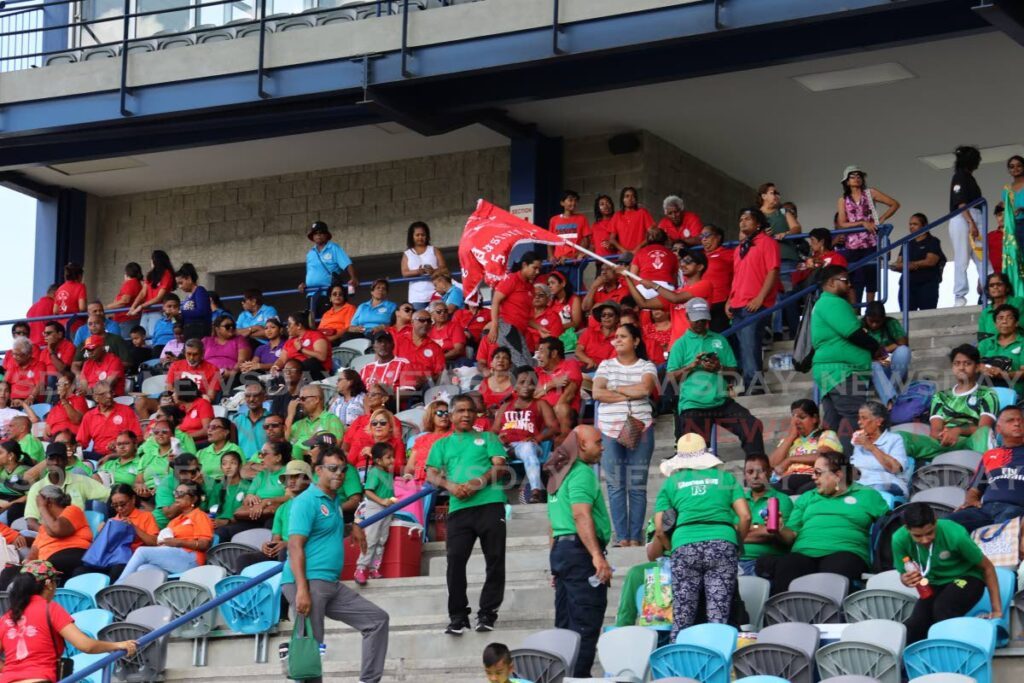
{"points": [[535, 557]]}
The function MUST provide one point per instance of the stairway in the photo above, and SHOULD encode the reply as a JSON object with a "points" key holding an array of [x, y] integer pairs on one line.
{"points": [[418, 649]]}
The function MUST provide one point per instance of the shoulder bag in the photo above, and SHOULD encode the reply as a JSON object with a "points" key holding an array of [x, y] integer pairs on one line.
{"points": [[65, 665]]}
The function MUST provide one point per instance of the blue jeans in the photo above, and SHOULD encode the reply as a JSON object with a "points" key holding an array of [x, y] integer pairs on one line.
{"points": [[171, 560], [626, 474], [889, 380], [746, 567], [529, 452], [749, 341], [988, 513]]}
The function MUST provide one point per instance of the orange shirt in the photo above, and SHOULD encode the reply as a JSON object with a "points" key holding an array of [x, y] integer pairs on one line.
{"points": [[195, 524], [144, 521], [339, 321], [47, 545]]}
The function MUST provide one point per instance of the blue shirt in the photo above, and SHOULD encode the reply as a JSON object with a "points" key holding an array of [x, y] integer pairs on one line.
{"points": [[321, 264], [82, 333], [251, 436], [454, 296], [195, 308], [872, 474], [257, 319], [163, 331], [318, 517], [370, 316]]}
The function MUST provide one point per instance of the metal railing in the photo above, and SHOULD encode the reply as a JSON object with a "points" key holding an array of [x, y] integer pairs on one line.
{"points": [[108, 661], [24, 27]]}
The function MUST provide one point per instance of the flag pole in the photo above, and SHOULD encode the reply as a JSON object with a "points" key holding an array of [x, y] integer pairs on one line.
{"points": [[602, 259]]}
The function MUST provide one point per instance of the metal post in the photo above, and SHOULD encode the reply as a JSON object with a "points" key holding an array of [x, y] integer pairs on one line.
{"points": [[555, 30], [983, 272], [405, 39], [263, 41], [905, 288], [124, 60]]}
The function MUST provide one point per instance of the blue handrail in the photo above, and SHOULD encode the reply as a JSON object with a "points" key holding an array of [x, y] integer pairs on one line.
{"points": [[219, 600]]}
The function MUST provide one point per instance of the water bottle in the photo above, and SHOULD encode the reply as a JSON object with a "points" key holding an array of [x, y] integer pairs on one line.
{"points": [[595, 582], [773, 514], [282, 657], [924, 591], [323, 651]]}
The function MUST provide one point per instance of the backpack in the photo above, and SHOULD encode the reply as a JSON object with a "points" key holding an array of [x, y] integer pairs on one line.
{"points": [[803, 349], [914, 403], [882, 532]]}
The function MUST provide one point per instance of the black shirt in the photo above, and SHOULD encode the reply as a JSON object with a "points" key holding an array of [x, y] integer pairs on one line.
{"points": [[963, 190], [918, 250]]}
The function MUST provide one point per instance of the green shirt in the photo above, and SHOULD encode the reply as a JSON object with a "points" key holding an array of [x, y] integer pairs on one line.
{"points": [[224, 500], [580, 485], [33, 448], [307, 427], [267, 484], [828, 524], [280, 527], [780, 226], [701, 389], [953, 554], [833, 320], [703, 500], [123, 472], [318, 517], [164, 496], [380, 482], [155, 466], [961, 410], [79, 487], [890, 333], [987, 324], [18, 475], [209, 459], [463, 456], [759, 516], [187, 443], [988, 348]]}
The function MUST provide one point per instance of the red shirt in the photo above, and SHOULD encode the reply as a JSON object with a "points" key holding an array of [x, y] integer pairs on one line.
{"points": [[39, 644], [362, 440], [680, 323], [103, 429], [573, 228], [130, 288], [750, 271], [24, 379], [657, 342], [166, 283], [564, 310], [104, 370], [620, 292], [599, 233], [309, 337], [719, 274], [995, 249], [597, 346], [40, 309], [387, 373], [57, 419], [67, 297], [630, 226], [205, 375], [657, 263], [447, 336], [65, 352], [567, 368], [519, 424], [193, 421], [472, 323], [689, 227], [421, 449], [517, 306], [550, 320], [828, 258], [427, 359], [492, 399]]}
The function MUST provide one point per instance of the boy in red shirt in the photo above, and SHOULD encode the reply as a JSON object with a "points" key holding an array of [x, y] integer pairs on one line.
{"points": [[655, 262], [573, 227], [693, 266]]}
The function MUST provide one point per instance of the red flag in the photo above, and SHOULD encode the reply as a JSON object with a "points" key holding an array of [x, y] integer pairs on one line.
{"points": [[490, 235]]}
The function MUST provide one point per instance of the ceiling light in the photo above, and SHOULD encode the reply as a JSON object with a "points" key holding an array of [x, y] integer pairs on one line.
{"points": [[97, 166], [876, 74], [989, 155]]}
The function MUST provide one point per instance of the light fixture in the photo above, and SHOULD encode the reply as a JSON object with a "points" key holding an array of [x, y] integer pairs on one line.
{"points": [[96, 166], [875, 74], [989, 155]]}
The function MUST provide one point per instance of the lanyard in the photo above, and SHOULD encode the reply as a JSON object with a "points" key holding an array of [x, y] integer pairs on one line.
{"points": [[927, 567]]}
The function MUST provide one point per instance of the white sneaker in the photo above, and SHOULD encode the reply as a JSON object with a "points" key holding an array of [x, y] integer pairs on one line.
{"points": [[960, 301]]}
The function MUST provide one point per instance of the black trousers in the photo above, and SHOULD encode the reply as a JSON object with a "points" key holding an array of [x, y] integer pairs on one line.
{"points": [[782, 569], [719, 318], [487, 523], [840, 407], [64, 561], [730, 415], [114, 571], [922, 297], [948, 601], [579, 606]]}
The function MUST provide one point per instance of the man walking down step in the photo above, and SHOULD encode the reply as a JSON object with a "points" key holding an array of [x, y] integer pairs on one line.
{"points": [[469, 465], [316, 554], [580, 531]]}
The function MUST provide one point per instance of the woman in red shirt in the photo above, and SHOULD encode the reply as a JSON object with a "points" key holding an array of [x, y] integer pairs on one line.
{"points": [[70, 297], [548, 321], [601, 228], [629, 227], [437, 424], [379, 429], [131, 287], [595, 346], [35, 627], [512, 312], [158, 283], [658, 336], [307, 346], [564, 301], [497, 385]]}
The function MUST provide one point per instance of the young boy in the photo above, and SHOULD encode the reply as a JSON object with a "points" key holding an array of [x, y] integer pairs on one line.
{"points": [[498, 664], [163, 331], [574, 227], [138, 351]]}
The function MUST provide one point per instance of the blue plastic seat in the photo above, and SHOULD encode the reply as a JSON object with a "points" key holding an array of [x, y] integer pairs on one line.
{"points": [[41, 410], [964, 645], [89, 622], [74, 601], [761, 679], [96, 520], [719, 637], [1007, 396], [83, 660], [253, 612], [1007, 587], [274, 583], [691, 661], [90, 584]]}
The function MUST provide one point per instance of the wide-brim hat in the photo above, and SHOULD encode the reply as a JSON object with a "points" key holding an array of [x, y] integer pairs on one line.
{"points": [[852, 169], [318, 226], [610, 303], [296, 467], [691, 454]]}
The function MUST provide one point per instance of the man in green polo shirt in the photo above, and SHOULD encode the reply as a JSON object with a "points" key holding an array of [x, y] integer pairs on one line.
{"points": [[316, 555], [79, 487], [20, 429], [758, 542], [186, 469], [314, 419], [842, 355], [469, 464], [697, 363], [580, 531]]}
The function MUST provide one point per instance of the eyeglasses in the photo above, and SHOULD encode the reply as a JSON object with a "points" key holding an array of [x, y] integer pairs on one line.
{"points": [[843, 279], [333, 469], [124, 444], [307, 398], [406, 309], [182, 494], [161, 432], [421, 320], [441, 413], [273, 425], [379, 423], [216, 426]]}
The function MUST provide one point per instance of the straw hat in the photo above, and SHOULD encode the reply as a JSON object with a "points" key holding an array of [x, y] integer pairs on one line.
{"points": [[691, 454]]}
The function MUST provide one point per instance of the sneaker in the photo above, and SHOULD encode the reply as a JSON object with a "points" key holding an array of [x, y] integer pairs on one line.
{"points": [[538, 496], [360, 576], [485, 622], [457, 627], [375, 573], [960, 301]]}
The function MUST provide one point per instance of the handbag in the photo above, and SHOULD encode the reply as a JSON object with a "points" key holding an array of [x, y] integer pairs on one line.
{"points": [[803, 349], [112, 545], [1000, 543], [1001, 363], [304, 653], [632, 430], [656, 599], [65, 665]]}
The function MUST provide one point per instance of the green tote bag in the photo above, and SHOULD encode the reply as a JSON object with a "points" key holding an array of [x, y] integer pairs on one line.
{"points": [[304, 654]]}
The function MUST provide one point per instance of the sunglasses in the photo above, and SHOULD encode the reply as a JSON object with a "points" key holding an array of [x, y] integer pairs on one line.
{"points": [[273, 425], [333, 469], [441, 413], [161, 432], [189, 471], [406, 309], [182, 494], [379, 423]]}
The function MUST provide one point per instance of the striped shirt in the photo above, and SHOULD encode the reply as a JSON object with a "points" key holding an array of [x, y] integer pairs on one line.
{"points": [[612, 416]]}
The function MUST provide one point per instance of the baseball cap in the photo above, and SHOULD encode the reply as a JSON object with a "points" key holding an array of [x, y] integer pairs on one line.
{"points": [[296, 467], [321, 439], [56, 449], [383, 334], [698, 309], [94, 342]]}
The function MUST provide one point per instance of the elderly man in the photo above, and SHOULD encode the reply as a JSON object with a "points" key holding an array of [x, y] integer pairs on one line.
{"points": [[57, 353], [113, 342], [681, 226], [251, 434], [109, 326], [26, 376], [106, 420], [101, 366], [20, 429], [194, 367], [307, 416]]}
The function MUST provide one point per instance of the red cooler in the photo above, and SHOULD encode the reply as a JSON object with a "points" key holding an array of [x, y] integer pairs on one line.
{"points": [[403, 551]]}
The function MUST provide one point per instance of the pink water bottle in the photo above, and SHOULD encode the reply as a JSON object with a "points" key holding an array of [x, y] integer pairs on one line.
{"points": [[924, 590], [773, 514]]}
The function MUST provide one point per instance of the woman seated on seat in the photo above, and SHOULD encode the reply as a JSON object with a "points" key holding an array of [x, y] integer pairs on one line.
{"points": [[223, 438], [497, 386], [266, 491], [793, 459], [124, 503], [379, 429], [829, 527], [948, 562], [336, 319], [523, 424], [1000, 292], [437, 424], [348, 404], [64, 534], [228, 493], [890, 374], [1001, 359], [226, 349], [266, 355], [182, 545], [879, 454], [13, 482]]}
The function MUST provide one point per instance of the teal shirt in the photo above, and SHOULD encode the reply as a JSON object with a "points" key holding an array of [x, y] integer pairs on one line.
{"points": [[251, 436], [318, 518]]}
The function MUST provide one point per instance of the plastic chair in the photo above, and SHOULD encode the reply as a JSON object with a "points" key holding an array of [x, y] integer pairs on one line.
{"points": [[41, 410], [852, 679], [121, 599], [442, 391], [558, 641], [812, 599], [832, 586], [625, 652], [964, 645], [182, 597], [943, 678], [252, 612], [206, 575], [150, 660], [966, 459], [943, 499], [147, 579], [1007, 396], [1007, 586], [761, 679], [153, 385], [538, 666], [83, 660], [783, 650], [336, 17], [868, 648], [89, 622], [912, 428], [226, 555], [360, 362], [254, 538], [935, 475], [90, 584], [884, 598], [695, 661], [73, 601], [21, 526], [754, 593], [95, 520]]}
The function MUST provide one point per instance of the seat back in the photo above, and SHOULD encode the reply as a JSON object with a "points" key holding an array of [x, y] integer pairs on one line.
{"points": [[148, 662], [754, 593], [943, 678], [254, 538], [773, 659], [89, 622], [559, 641], [207, 575], [890, 581], [151, 616], [878, 603], [121, 599], [693, 661], [538, 666], [90, 584], [797, 606], [969, 460], [627, 651], [941, 655], [867, 648], [949, 497], [73, 601], [360, 362], [803, 637], [886, 634], [912, 428], [342, 357], [181, 597], [95, 520], [828, 585], [1007, 396], [442, 391], [1007, 587], [83, 660], [981, 633], [147, 579], [252, 611], [936, 474], [718, 637], [154, 384], [227, 555]]}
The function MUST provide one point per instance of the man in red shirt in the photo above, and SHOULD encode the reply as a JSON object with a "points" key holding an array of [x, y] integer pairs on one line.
{"points": [[681, 226], [755, 283], [19, 330], [58, 352], [101, 366], [25, 376], [386, 369], [595, 345], [196, 368], [40, 309], [103, 423], [655, 262], [450, 336], [558, 382], [822, 256], [674, 300], [719, 274], [425, 356]]}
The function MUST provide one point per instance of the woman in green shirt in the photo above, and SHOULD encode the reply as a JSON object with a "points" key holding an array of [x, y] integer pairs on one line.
{"points": [[125, 466], [222, 435], [949, 562], [266, 491], [1000, 292], [1007, 343], [228, 495], [155, 455], [13, 485]]}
